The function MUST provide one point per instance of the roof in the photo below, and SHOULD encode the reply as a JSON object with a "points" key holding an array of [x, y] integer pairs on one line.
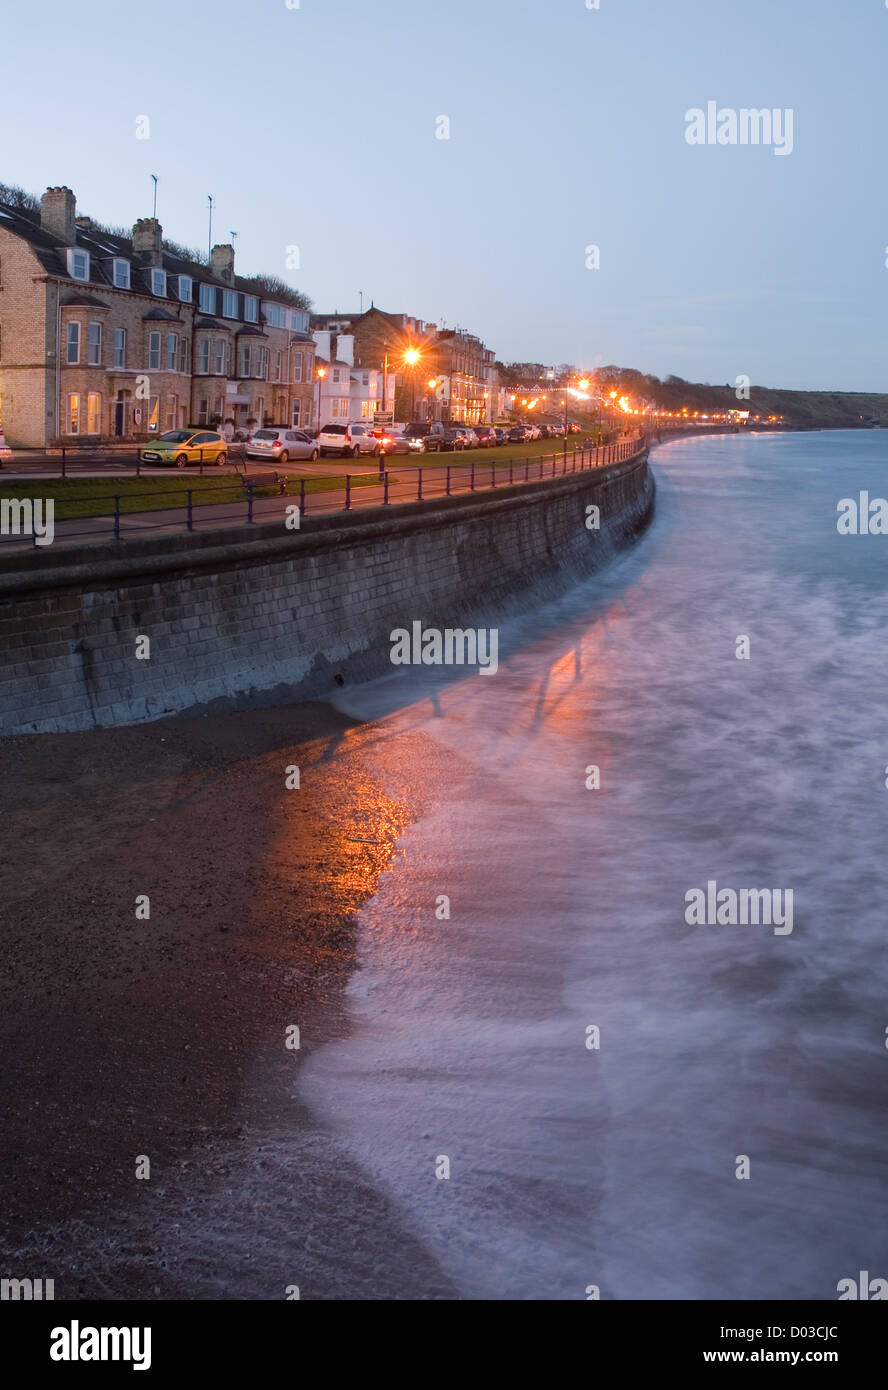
{"points": [[77, 297], [104, 246]]}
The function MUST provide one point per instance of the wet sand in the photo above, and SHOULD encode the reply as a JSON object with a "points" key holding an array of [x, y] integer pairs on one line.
{"points": [[165, 1037]]}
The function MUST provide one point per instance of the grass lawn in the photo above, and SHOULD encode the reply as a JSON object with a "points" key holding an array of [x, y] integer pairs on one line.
{"points": [[79, 497]]}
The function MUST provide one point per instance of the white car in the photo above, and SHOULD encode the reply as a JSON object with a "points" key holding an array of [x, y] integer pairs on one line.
{"points": [[348, 439], [281, 445]]}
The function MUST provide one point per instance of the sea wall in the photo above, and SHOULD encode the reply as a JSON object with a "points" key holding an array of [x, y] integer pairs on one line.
{"points": [[259, 614]]}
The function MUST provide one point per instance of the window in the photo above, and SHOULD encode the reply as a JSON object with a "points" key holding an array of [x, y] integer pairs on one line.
{"points": [[263, 363], [78, 263], [297, 405], [203, 356], [159, 282], [278, 365], [221, 367], [72, 354], [120, 347], [182, 363], [185, 288], [203, 411], [94, 348], [94, 413], [154, 352], [297, 366], [246, 362], [251, 308], [208, 299], [121, 274], [172, 406], [172, 351], [339, 409], [229, 304], [365, 410], [154, 413], [298, 321], [73, 425]]}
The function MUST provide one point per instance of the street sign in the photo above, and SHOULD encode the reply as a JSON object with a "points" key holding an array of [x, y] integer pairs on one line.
{"points": [[383, 417]]}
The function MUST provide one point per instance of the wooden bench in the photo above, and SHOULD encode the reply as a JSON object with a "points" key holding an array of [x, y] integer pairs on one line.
{"points": [[262, 480]]}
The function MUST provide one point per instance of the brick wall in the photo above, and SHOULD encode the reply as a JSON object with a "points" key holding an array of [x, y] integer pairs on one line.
{"points": [[259, 615], [26, 374]]}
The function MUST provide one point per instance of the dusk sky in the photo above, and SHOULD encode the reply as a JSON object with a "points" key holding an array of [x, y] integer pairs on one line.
{"points": [[316, 127]]}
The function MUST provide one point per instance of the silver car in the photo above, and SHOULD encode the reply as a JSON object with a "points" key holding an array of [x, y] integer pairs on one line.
{"points": [[280, 445]]}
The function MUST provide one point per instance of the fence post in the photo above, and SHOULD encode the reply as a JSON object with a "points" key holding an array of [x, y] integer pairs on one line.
{"points": [[348, 492], [302, 497], [493, 475], [511, 466], [117, 516], [385, 488], [419, 484], [447, 487], [190, 522], [200, 461], [249, 501], [472, 484]]}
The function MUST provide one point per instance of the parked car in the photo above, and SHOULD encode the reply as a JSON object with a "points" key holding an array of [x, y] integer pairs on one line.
{"points": [[454, 439], [486, 436], [534, 431], [425, 437], [182, 447], [519, 434], [470, 439], [392, 441], [502, 436], [281, 445], [354, 439]]}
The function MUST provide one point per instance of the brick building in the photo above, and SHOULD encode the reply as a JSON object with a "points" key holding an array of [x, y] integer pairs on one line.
{"points": [[108, 337]]}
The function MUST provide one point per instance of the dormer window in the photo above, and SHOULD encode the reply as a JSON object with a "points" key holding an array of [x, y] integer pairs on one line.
{"points": [[159, 283], [185, 288], [78, 263], [251, 308], [208, 299], [121, 274], [229, 304]]}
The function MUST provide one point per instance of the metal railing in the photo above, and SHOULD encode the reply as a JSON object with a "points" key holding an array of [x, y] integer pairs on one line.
{"points": [[390, 486]]}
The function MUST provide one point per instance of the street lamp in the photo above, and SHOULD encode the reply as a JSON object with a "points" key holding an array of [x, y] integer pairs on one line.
{"points": [[410, 357], [322, 372]]}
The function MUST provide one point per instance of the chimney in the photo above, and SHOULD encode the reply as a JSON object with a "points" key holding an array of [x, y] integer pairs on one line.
{"points": [[57, 214], [345, 349], [322, 337], [222, 262], [83, 223], [148, 241]]}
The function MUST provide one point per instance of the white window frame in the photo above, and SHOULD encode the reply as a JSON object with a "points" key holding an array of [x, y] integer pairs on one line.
{"points": [[220, 357], [186, 289], [207, 299], [251, 308], [120, 263], [73, 253], [154, 350], [297, 366], [155, 272], [72, 417], [120, 347], [93, 361], [94, 412], [172, 351], [229, 299], [202, 366], [75, 360]]}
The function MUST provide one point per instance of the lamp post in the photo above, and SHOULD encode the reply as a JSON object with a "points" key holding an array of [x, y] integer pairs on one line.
{"points": [[322, 372]]}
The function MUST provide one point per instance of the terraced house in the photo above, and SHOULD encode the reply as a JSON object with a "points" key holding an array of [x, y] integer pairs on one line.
{"points": [[106, 337]]}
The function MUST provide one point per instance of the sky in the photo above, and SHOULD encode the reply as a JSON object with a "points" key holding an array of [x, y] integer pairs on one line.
{"points": [[318, 127]]}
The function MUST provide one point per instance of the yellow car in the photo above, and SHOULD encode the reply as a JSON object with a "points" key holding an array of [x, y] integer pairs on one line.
{"points": [[183, 447]]}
